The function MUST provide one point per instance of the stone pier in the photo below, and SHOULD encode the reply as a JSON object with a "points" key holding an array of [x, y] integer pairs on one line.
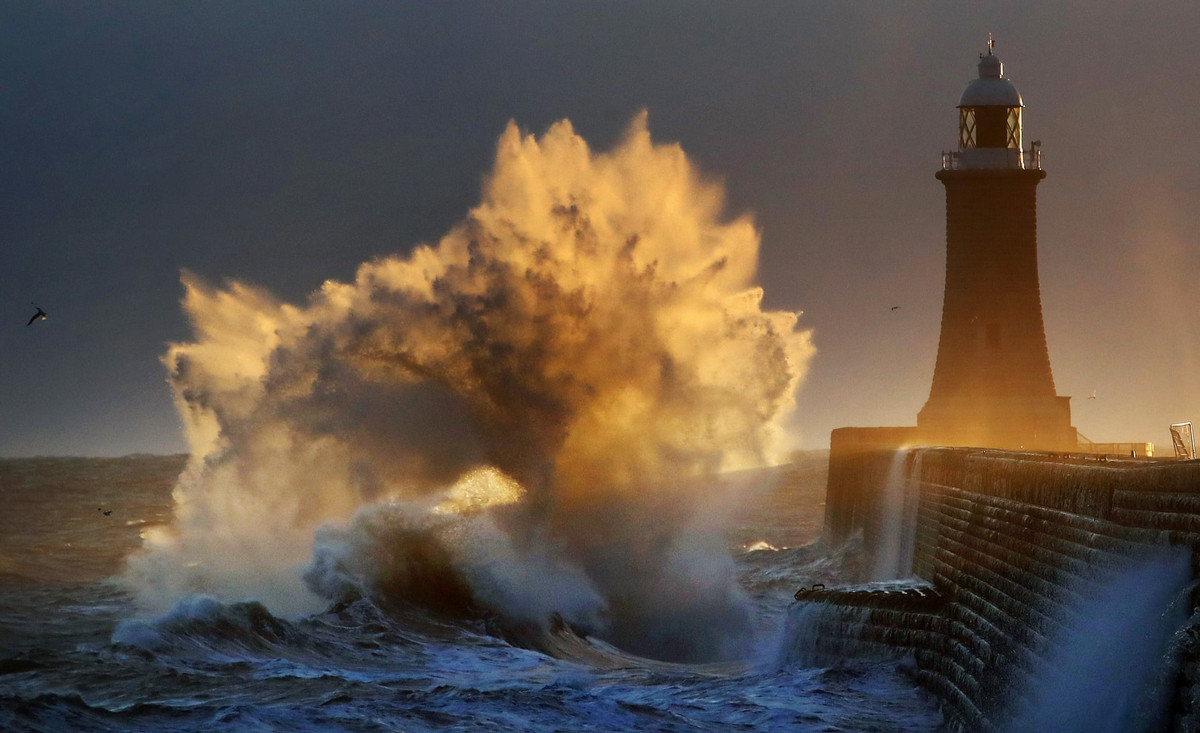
{"points": [[1005, 545]]}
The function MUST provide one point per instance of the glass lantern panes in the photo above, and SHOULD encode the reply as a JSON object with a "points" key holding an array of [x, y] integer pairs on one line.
{"points": [[1014, 128], [989, 127], [966, 127]]}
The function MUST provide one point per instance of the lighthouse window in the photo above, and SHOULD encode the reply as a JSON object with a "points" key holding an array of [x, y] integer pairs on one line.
{"points": [[991, 127], [1014, 128], [966, 127]]}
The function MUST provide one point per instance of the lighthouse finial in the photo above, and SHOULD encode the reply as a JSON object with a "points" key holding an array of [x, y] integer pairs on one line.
{"points": [[991, 44]]}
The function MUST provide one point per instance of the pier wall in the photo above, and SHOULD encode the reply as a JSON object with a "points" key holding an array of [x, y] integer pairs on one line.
{"points": [[1009, 544]]}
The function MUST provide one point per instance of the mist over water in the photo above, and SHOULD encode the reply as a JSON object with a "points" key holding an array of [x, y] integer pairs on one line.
{"points": [[529, 416]]}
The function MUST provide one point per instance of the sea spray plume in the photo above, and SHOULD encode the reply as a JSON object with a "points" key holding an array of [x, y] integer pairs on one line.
{"points": [[1107, 668], [591, 331]]}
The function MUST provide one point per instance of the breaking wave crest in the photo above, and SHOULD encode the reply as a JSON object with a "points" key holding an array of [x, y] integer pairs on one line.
{"points": [[527, 418]]}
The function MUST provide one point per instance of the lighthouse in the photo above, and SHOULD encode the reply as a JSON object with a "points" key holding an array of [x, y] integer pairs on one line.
{"points": [[992, 384]]}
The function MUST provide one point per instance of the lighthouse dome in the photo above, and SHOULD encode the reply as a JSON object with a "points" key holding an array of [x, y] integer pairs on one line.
{"points": [[991, 89]]}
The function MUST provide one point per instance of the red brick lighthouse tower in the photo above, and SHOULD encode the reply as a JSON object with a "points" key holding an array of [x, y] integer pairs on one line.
{"points": [[992, 385]]}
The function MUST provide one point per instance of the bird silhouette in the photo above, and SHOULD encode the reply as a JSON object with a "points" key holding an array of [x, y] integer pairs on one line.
{"points": [[41, 314], [1093, 395], [895, 307], [101, 510]]}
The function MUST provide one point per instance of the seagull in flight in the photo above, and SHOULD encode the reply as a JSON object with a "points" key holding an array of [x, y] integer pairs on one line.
{"points": [[1093, 395], [101, 510], [41, 314]]}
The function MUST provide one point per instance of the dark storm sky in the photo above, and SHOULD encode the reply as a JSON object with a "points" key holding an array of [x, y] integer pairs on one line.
{"points": [[284, 143]]}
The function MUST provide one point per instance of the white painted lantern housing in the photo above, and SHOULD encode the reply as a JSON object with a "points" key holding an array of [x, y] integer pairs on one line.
{"points": [[989, 119]]}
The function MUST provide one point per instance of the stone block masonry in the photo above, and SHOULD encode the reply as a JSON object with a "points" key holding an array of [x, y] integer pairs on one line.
{"points": [[1008, 548]]}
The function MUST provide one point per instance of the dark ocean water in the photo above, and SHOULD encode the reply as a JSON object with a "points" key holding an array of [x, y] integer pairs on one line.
{"points": [[76, 655]]}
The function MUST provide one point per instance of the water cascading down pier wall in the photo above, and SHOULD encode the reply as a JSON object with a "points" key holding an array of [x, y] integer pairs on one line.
{"points": [[1047, 591]]}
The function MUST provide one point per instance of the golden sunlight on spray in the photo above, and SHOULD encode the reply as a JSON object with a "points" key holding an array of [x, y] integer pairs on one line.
{"points": [[479, 489], [589, 339]]}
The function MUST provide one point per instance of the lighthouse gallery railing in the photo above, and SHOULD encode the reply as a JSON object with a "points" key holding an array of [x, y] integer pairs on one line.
{"points": [[977, 158]]}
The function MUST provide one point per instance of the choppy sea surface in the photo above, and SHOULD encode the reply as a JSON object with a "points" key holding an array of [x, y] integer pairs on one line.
{"points": [[76, 654]]}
